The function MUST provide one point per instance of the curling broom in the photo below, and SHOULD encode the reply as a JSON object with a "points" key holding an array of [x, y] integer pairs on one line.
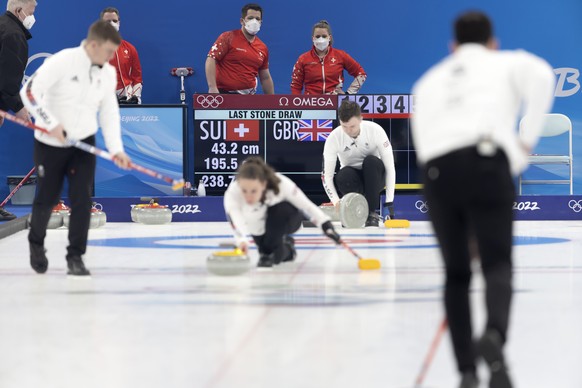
{"points": [[177, 184]]}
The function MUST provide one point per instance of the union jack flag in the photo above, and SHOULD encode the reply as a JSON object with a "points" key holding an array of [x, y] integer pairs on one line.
{"points": [[314, 130]]}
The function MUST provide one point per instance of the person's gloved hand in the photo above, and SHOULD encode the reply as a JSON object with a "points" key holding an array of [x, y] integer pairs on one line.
{"points": [[133, 100], [330, 232], [121, 100], [390, 207]]}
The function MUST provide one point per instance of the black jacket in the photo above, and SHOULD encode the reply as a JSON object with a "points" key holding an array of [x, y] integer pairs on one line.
{"points": [[13, 59]]}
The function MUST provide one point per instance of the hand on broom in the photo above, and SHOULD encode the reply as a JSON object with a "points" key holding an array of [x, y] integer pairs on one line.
{"points": [[122, 160], [243, 246], [59, 133], [330, 232], [389, 208]]}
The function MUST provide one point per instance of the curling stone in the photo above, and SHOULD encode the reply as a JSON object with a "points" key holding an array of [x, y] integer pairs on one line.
{"points": [[56, 220], [228, 263], [135, 209], [58, 214], [98, 217], [98, 213], [329, 210], [353, 210], [153, 214]]}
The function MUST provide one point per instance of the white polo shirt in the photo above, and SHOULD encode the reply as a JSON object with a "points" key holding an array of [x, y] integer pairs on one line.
{"points": [[351, 152]]}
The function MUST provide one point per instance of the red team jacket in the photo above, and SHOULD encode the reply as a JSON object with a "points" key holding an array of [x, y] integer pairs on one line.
{"points": [[322, 77], [127, 65], [238, 61]]}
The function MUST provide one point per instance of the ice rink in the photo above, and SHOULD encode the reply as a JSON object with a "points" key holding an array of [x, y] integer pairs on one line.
{"points": [[152, 315]]}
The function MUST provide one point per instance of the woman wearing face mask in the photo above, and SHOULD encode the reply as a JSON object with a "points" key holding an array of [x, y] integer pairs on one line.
{"points": [[269, 207], [320, 70]]}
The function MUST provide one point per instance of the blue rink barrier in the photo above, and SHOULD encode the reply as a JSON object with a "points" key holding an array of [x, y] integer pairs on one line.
{"points": [[184, 209], [410, 207], [525, 207]]}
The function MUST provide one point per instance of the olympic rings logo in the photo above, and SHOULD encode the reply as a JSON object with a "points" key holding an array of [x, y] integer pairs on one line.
{"points": [[575, 205], [209, 101], [422, 206], [97, 206]]}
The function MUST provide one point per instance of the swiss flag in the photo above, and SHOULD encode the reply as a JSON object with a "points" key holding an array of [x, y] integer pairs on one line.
{"points": [[242, 130]]}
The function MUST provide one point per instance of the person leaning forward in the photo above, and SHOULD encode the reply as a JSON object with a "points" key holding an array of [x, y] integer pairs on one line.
{"points": [[366, 162], [66, 95], [470, 151]]}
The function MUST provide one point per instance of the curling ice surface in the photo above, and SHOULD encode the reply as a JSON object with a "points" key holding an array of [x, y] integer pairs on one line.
{"points": [[153, 316]]}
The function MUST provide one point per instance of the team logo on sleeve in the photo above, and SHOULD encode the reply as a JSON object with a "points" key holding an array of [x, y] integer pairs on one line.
{"points": [[242, 130]]}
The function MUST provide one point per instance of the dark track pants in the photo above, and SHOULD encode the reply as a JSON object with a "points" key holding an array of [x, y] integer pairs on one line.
{"points": [[53, 164], [282, 219], [470, 195], [368, 181]]}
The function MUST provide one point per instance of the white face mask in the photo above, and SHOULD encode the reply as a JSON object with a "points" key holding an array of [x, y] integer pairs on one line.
{"points": [[252, 26], [114, 24], [321, 43], [28, 21]]}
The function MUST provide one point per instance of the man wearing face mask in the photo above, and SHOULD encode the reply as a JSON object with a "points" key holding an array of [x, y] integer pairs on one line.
{"points": [[14, 35], [321, 69], [126, 63], [239, 56]]}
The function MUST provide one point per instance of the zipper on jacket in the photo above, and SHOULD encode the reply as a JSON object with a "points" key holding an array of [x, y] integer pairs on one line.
{"points": [[322, 61]]}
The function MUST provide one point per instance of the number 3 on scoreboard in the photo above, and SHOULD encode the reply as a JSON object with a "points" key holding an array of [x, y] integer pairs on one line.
{"points": [[381, 103]]}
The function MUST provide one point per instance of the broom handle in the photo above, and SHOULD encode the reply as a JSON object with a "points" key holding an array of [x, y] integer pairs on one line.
{"points": [[17, 187]]}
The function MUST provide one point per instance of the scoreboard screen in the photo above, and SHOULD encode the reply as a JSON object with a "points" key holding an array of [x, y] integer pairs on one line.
{"points": [[289, 132]]}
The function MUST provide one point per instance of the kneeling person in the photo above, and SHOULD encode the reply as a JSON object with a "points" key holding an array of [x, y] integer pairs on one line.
{"points": [[366, 161], [269, 207]]}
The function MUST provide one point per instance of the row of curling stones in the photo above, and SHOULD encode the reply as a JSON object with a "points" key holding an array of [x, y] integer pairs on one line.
{"points": [[60, 216], [151, 213], [353, 213]]}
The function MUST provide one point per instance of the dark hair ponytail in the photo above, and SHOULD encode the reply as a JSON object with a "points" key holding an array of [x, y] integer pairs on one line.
{"points": [[255, 167]]}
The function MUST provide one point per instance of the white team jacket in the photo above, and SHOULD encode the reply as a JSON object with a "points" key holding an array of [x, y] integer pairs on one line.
{"points": [[351, 152], [477, 93], [250, 219], [69, 90]]}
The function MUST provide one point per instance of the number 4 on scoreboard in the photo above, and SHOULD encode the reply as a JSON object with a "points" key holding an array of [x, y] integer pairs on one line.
{"points": [[399, 104]]}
